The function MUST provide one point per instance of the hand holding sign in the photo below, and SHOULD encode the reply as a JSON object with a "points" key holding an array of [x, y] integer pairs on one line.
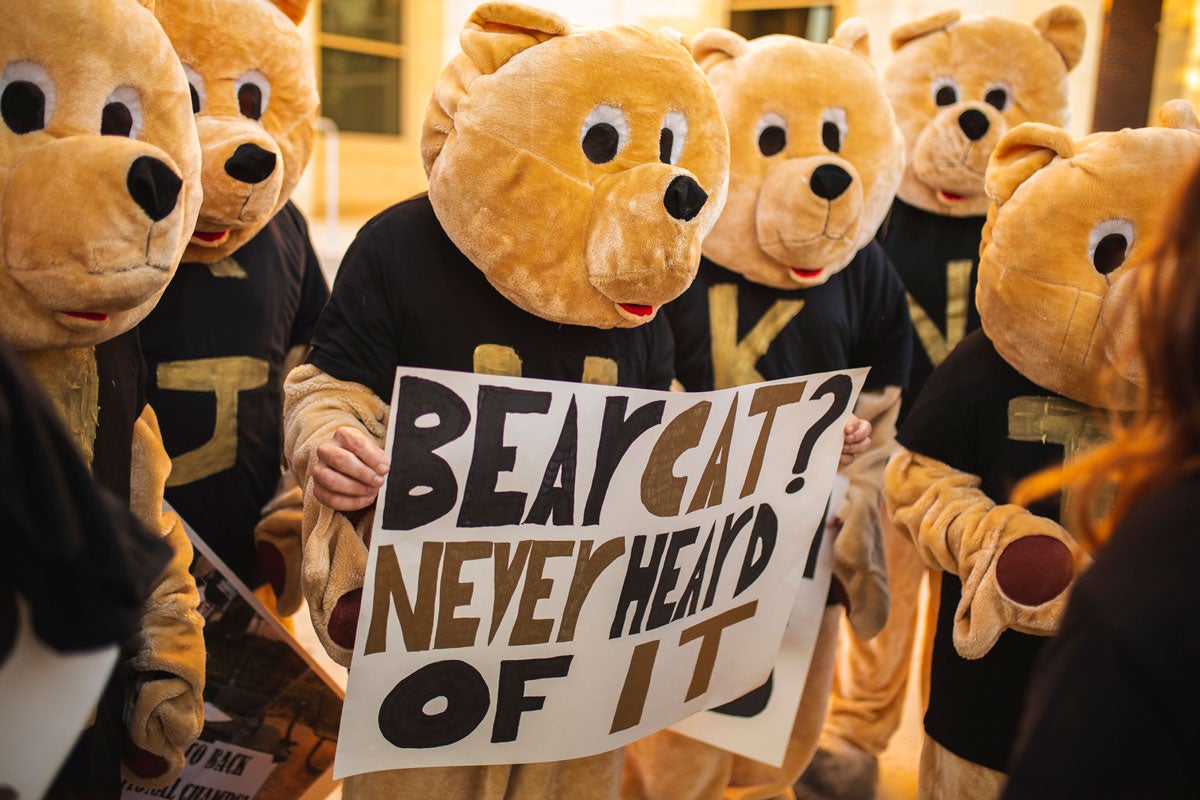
{"points": [[350, 470], [558, 569]]}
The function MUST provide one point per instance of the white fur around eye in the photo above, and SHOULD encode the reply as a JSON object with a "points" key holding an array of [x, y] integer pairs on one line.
{"points": [[994, 92], [769, 120], [596, 136], [1117, 227], [36, 74], [837, 118], [129, 97], [946, 85], [196, 81], [676, 123], [255, 78]]}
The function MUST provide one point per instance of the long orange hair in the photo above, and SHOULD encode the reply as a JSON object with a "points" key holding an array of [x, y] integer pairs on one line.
{"points": [[1160, 441]]}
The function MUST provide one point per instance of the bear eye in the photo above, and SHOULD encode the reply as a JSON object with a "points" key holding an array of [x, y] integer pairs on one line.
{"points": [[833, 129], [26, 97], [672, 137], [997, 96], [1109, 244], [605, 133], [122, 115], [771, 133], [945, 92], [253, 92], [195, 88]]}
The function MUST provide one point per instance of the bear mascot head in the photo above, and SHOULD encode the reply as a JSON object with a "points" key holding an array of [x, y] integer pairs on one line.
{"points": [[959, 82], [815, 153], [254, 97]]}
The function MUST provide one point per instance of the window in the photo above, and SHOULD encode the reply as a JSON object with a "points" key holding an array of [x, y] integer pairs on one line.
{"points": [[361, 64], [754, 18]]}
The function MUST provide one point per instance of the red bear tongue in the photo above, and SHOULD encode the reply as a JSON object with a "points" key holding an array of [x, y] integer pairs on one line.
{"points": [[88, 315], [636, 310], [951, 196], [806, 273], [208, 236]]}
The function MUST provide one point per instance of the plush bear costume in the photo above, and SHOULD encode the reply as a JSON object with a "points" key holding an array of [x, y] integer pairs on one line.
{"points": [[792, 283], [957, 83], [100, 179], [250, 289], [572, 175], [1068, 224]]}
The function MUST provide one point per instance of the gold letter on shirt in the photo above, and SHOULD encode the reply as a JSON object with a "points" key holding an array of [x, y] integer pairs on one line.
{"points": [[733, 361], [1055, 420], [224, 377], [958, 300]]}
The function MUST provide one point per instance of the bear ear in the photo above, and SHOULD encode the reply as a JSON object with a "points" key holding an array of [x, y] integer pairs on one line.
{"points": [[497, 31], [1063, 27], [1022, 152], [853, 35], [715, 45], [1178, 114], [923, 27], [294, 9]]}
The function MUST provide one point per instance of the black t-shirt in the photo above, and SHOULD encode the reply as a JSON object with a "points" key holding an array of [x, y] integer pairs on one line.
{"points": [[730, 331], [931, 252], [972, 416], [1115, 697], [215, 345], [404, 294]]}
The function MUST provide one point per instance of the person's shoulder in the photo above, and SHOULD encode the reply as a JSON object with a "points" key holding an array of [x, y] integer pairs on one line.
{"points": [[407, 218]]}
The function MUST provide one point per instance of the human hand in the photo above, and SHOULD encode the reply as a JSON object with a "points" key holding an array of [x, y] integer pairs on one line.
{"points": [[349, 470], [857, 439]]}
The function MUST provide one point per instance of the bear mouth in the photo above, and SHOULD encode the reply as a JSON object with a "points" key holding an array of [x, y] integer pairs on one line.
{"points": [[209, 238], [949, 197], [90, 316], [805, 274], [636, 309]]}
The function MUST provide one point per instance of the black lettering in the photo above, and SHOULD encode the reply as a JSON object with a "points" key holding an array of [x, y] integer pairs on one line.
{"points": [[660, 609], [421, 486], [482, 505], [690, 598], [764, 532], [511, 700], [728, 535], [752, 703], [639, 583], [617, 434], [402, 717], [557, 495]]}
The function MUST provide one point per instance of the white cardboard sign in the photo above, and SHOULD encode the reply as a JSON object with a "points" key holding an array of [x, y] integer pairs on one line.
{"points": [[559, 569]]}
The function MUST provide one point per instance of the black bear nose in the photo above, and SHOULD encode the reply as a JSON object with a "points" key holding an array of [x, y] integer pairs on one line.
{"points": [[829, 181], [974, 124], [684, 198], [153, 186], [250, 164]]}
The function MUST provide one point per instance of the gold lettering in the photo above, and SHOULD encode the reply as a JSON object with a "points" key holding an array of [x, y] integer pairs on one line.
{"points": [[1055, 420], [227, 268], [958, 303], [496, 359], [600, 371], [225, 377], [734, 361]]}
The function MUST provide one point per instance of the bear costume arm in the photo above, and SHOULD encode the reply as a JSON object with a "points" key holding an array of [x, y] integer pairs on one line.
{"points": [[333, 543], [166, 711], [859, 560], [1015, 567]]}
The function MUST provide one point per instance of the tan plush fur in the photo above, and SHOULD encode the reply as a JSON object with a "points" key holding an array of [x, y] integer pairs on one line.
{"points": [[78, 236], [559, 235], [1054, 200], [968, 56], [69, 245], [776, 230], [223, 44]]}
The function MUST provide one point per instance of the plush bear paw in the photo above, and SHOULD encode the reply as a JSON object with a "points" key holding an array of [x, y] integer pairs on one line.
{"points": [[343, 621], [841, 773], [1035, 570]]}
